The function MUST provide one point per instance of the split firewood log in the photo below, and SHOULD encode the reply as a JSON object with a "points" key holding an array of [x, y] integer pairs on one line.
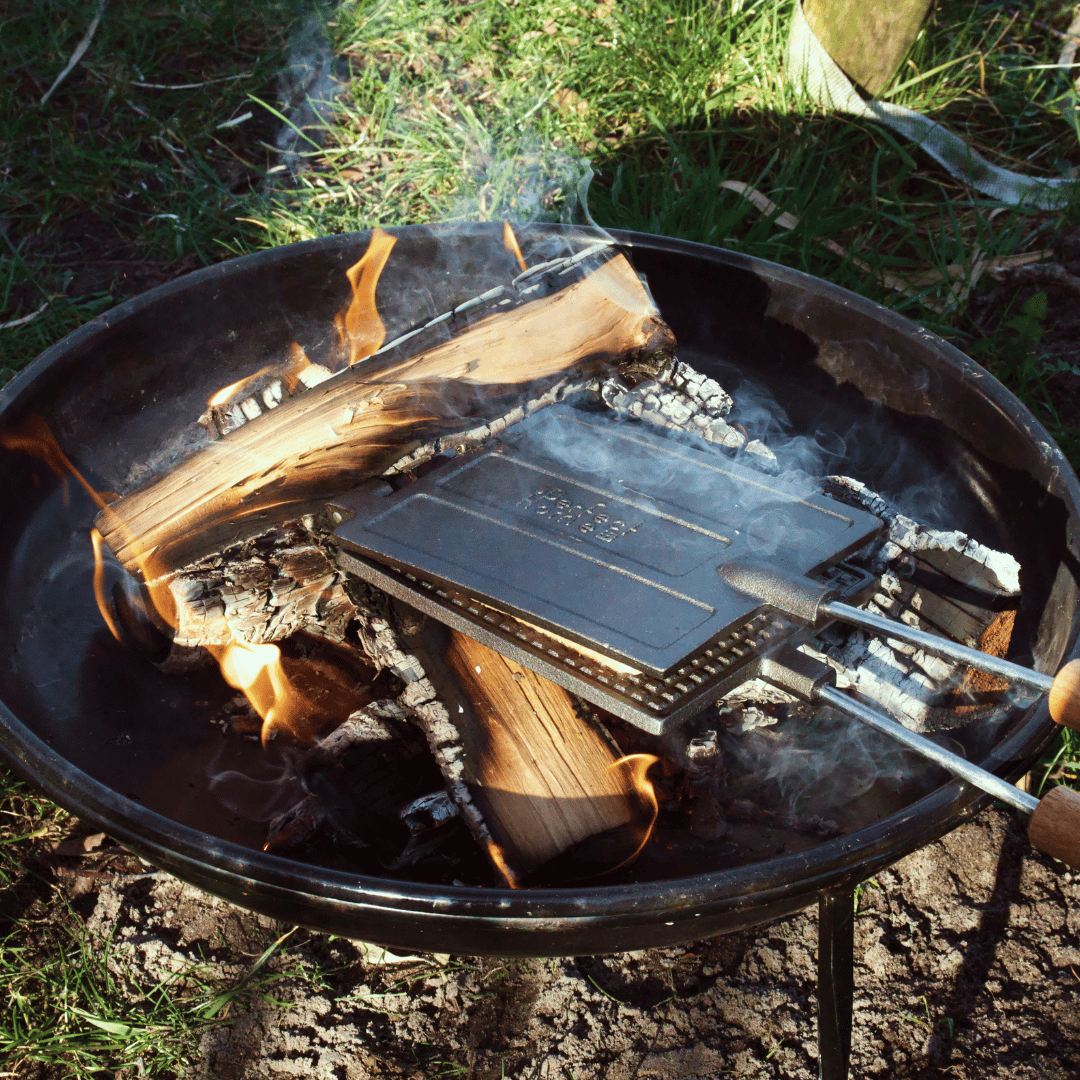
{"points": [[353, 426], [544, 776]]}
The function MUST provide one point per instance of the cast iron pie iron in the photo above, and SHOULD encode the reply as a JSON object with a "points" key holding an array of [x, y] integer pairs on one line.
{"points": [[650, 579]]}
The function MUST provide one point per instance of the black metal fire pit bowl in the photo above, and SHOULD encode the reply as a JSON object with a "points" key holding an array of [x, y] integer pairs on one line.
{"points": [[121, 745]]}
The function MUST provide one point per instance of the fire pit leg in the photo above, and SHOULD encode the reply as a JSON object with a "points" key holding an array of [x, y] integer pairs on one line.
{"points": [[836, 981]]}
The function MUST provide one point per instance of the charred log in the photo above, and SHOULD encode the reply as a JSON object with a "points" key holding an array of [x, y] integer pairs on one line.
{"points": [[360, 422]]}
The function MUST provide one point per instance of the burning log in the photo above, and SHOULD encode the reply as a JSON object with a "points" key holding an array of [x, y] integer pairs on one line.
{"points": [[329, 438], [239, 534], [544, 776]]}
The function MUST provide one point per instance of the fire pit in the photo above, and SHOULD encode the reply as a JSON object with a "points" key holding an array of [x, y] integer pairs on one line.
{"points": [[123, 745]]}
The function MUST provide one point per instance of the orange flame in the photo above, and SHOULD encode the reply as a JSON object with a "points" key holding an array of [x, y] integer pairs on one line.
{"points": [[296, 363], [496, 856], [226, 392], [257, 671], [300, 698], [34, 437], [289, 373], [96, 542], [511, 245], [361, 329], [636, 767]]}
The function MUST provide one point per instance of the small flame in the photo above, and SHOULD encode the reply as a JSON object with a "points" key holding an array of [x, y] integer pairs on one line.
{"points": [[97, 543], [296, 363], [496, 855], [35, 438], [636, 767], [257, 671], [301, 698], [226, 392], [361, 329], [288, 372], [511, 245]]}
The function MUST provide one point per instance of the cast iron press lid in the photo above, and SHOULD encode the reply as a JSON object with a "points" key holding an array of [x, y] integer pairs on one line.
{"points": [[607, 536]]}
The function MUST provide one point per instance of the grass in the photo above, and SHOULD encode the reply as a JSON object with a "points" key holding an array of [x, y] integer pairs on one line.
{"points": [[76, 1007], [136, 163], [468, 110]]}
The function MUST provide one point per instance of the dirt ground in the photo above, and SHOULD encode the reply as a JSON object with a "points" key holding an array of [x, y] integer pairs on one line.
{"points": [[967, 966]]}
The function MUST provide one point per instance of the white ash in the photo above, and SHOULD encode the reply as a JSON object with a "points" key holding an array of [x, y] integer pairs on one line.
{"points": [[262, 590], [738, 721], [364, 725], [888, 676], [667, 407], [672, 407], [463, 441], [996, 571], [702, 755], [915, 687], [755, 691], [711, 398], [435, 809]]}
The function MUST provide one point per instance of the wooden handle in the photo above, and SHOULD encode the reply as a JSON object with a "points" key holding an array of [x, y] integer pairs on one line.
{"points": [[1064, 700], [1055, 826]]}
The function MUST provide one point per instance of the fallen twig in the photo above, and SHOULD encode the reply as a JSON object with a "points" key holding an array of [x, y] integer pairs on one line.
{"points": [[25, 318], [190, 85], [77, 55], [1053, 273], [233, 123], [789, 221]]}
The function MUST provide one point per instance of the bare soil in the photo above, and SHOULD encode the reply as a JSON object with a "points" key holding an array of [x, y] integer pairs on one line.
{"points": [[967, 967]]}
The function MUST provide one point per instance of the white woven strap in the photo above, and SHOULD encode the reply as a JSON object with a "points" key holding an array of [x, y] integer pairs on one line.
{"points": [[809, 65]]}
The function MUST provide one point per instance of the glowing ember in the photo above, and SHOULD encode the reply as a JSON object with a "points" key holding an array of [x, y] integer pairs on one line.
{"points": [[361, 329], [511, 245]]}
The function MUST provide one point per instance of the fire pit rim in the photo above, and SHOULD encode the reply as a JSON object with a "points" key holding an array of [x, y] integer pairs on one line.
{"points": [[245, 875], [253, 872]]}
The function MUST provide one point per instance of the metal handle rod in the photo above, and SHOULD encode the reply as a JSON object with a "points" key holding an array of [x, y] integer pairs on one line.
{"points": [[940, 646], [955, 764]]}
